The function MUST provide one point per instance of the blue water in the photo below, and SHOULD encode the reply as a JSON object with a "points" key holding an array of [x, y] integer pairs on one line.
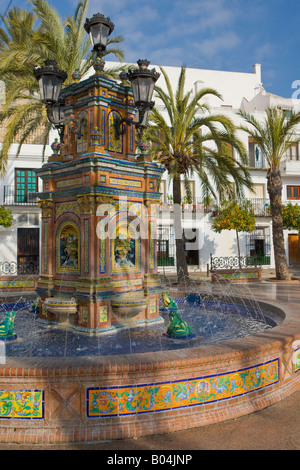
{"points": [[212, 322]]}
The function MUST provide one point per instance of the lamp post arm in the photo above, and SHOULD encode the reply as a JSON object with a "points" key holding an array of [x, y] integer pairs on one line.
{"points": [[118, 125], [77, 129], [140, 124]]}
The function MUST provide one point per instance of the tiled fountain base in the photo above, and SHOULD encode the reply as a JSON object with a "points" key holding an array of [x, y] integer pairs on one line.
{"points": [[89, 399]]}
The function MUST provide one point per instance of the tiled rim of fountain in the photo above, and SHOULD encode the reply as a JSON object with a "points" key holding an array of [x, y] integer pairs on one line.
{"points": [[90, 399]]}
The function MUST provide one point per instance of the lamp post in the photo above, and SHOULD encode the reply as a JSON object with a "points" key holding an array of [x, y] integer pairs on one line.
{"points": [[99, 28], [142, 82], [84, 176], [51, 79]]}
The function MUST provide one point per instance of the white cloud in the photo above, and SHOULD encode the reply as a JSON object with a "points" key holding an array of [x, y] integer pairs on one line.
{"points": [[226, 41]]}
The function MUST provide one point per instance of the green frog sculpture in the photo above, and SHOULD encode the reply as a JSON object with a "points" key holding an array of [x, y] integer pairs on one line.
{"points": [[7, 327], [177, 328]]}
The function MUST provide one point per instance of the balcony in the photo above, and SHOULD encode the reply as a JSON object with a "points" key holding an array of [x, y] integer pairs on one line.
{"points": [[290, 167], [197, 205], [11, 197], [260, 207]]}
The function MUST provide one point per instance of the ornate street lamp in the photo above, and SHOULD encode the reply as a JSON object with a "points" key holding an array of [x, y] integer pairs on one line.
{"points": [[50, 79], [99, 28], [142, 82]]}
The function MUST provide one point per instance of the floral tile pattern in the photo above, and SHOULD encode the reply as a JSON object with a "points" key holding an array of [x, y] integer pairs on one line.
{"points": [[24, 404], [154, 397]]}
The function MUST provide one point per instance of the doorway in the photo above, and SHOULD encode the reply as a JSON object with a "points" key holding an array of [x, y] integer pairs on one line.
{"points": [[294, 249], [28, 251]]}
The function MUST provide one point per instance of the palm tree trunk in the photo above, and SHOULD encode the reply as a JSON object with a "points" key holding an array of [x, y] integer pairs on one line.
{"points": [[181, 263], [274, 187]]}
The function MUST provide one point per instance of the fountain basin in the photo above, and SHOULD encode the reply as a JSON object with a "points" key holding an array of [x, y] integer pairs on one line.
{"points": [[61, 307], [98, 398], [129, 305]]}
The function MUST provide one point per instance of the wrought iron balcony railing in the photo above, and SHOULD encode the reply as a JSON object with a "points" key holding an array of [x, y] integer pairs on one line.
{"points": [[13, 196], [12, 268], [260, 206], [235, 262], [196, 204]]}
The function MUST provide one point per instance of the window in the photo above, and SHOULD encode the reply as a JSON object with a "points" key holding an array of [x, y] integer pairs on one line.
{"points": [[190, 239], [292, 153], [256, 157], [165, 246], [258, 191], [258, 246], [28, 250], [286, 111], [25, 185], [293, 192]]}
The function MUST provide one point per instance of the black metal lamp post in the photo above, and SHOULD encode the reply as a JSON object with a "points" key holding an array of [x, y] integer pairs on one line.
{"points": [[99, 28], [142, 82], [51, 78]]}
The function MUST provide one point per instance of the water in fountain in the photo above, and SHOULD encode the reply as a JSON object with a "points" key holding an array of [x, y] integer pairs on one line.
{"points": [[227, 311]]}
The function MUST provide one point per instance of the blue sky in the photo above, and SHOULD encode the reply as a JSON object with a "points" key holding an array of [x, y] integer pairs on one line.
{"points": [[228, 35]]}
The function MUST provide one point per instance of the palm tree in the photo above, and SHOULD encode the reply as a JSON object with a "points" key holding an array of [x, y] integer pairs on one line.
{"points": [[274, 136], [191, 140], [27, 39]]}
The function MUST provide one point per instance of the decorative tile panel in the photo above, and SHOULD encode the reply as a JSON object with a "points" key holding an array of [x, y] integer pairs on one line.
{"points": [[113, 144], [296, 359], [22, 404], [45, 246], [127, 283], [70, 182], [163, 396], [124, 182], [238, 275], [152, 243], [84, 314], [67, 245], [22, 284], [131, 139], [103, 126], [86, 246], [152, 306], [102, 246], [103, 314], [63, 207]]}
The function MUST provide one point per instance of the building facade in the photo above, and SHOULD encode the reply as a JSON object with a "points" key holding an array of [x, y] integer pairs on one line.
{"points": [[205, 248], [20, 244]]}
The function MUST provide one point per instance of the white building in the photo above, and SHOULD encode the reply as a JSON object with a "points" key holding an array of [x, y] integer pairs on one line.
{"points": [[239, 91], [20, 244]]}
